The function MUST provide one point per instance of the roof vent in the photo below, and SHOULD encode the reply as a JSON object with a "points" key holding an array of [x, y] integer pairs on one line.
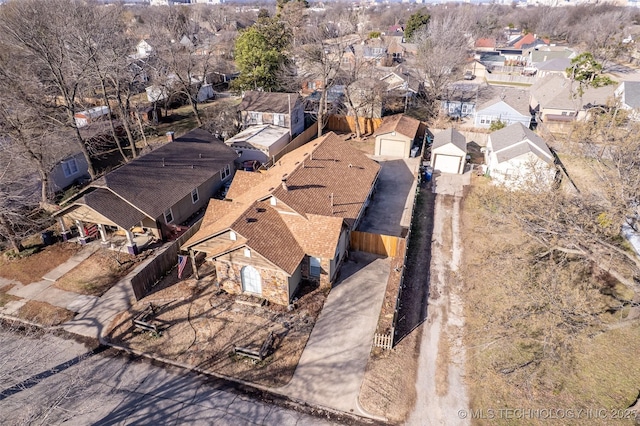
{"points": [[200, 155], [261, 210], [251, 220], [162, 161], [284, 185], [350, 165]]}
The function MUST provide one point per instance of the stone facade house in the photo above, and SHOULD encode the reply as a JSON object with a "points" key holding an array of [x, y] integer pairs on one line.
{"points": [[289, 223]]}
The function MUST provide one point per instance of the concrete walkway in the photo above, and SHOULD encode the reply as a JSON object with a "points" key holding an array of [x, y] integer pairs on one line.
{"points": [[45, 291], [332, 366]]}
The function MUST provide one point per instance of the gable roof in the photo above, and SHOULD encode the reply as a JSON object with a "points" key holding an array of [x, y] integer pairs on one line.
{"points": [[335, 180], [557, 64], [527, 40], [630, 91], [449, 136], [555, 92], [485, 43], [112, 207], [266, 232], [325, 169], [154, 182], [515, 140], [399, 123], [516, 99], [271, 102]]}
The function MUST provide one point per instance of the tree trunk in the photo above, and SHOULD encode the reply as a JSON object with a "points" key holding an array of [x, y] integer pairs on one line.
{"points": [[83, 148], [16, 243], [321, 112], [125, 115], [116, 139], [194, 107]]}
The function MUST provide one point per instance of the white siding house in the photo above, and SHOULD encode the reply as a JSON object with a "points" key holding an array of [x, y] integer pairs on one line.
{"points": [[518, 158]]}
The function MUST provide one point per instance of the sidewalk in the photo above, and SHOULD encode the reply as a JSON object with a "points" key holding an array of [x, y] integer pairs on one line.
{"points": [[45, 291]]}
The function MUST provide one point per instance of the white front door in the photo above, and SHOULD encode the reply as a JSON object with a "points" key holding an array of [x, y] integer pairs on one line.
{"points": [[251, 280]]}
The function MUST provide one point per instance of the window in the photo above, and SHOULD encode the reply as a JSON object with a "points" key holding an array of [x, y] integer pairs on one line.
{"points": [[564, 112], [482, 121], [168, 216], [70, 167], [314, 267], [232, 236], [224, 173], [194, 196], [278, 120], [311, 85], [464, 108], [255, 118]]}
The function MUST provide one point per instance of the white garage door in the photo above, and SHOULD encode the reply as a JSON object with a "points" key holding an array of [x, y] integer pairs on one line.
{"points": [[392, 148], [447, 163]]}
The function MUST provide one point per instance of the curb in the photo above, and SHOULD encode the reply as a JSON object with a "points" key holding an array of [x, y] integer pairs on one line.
{"points": [[253, 388]]}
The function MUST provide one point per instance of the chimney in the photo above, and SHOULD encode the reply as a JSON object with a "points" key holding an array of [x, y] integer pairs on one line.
{"points": [[171, 136], [284, 185]]}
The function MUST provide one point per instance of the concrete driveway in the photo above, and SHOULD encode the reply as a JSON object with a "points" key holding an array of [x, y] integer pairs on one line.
{"points": [[331, 369], [390, 210], [45, 379]]}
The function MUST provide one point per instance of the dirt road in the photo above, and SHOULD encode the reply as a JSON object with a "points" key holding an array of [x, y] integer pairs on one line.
{"points": [[441, 393]]}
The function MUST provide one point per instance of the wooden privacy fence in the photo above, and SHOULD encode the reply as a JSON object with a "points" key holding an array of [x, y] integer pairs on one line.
{"points": [[343, 123], [385, 245], [143, 281]]}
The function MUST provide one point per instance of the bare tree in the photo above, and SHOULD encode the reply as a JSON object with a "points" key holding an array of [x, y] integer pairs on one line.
{"points": [[443, 52], [50, 54]]}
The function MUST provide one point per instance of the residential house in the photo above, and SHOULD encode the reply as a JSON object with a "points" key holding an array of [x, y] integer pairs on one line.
{"points": [[403, 85], [485, 44], [259, 143], [83, 118], [527, 41], [396, 136], [555, 100], [288, 223], [459, 100], [628, 94], [557, 66], [516, 157], [155, 192], [542, 54], [72, 169], [449, 151], [511, 106], [280, 109]]}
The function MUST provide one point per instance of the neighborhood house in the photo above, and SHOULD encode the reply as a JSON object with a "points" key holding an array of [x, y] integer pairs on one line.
{"points": [[154, 193], [289, 223]]}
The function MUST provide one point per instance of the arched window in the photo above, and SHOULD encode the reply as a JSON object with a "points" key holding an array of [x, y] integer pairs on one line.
{"points": [[251, 280]]}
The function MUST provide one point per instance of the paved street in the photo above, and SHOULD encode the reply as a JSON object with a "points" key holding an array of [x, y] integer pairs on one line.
{"points": [[45, 379]]}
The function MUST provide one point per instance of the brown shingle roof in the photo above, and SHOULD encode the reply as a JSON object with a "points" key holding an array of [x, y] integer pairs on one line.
{"points": [[400, 123], [334, 180], [281, 103], [268, 234], [314, 171], [158, 180], [112, 207]]}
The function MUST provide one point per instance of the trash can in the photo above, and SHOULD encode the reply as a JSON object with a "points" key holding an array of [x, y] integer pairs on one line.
{"points": [[428, 173], [47, 238]]}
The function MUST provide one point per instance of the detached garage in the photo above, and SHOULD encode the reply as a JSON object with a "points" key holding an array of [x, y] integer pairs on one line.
{"points": [[449, 151], [396, 135]]}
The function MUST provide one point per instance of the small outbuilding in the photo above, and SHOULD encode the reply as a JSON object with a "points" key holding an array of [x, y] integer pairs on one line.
{"points": [[396, 135], [449, 151]]}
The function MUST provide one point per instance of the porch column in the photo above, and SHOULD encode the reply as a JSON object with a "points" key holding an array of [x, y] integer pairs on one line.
{"points": [[66, 234], [192, 255], [132, 248], [82, 238], [103, 234]]}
